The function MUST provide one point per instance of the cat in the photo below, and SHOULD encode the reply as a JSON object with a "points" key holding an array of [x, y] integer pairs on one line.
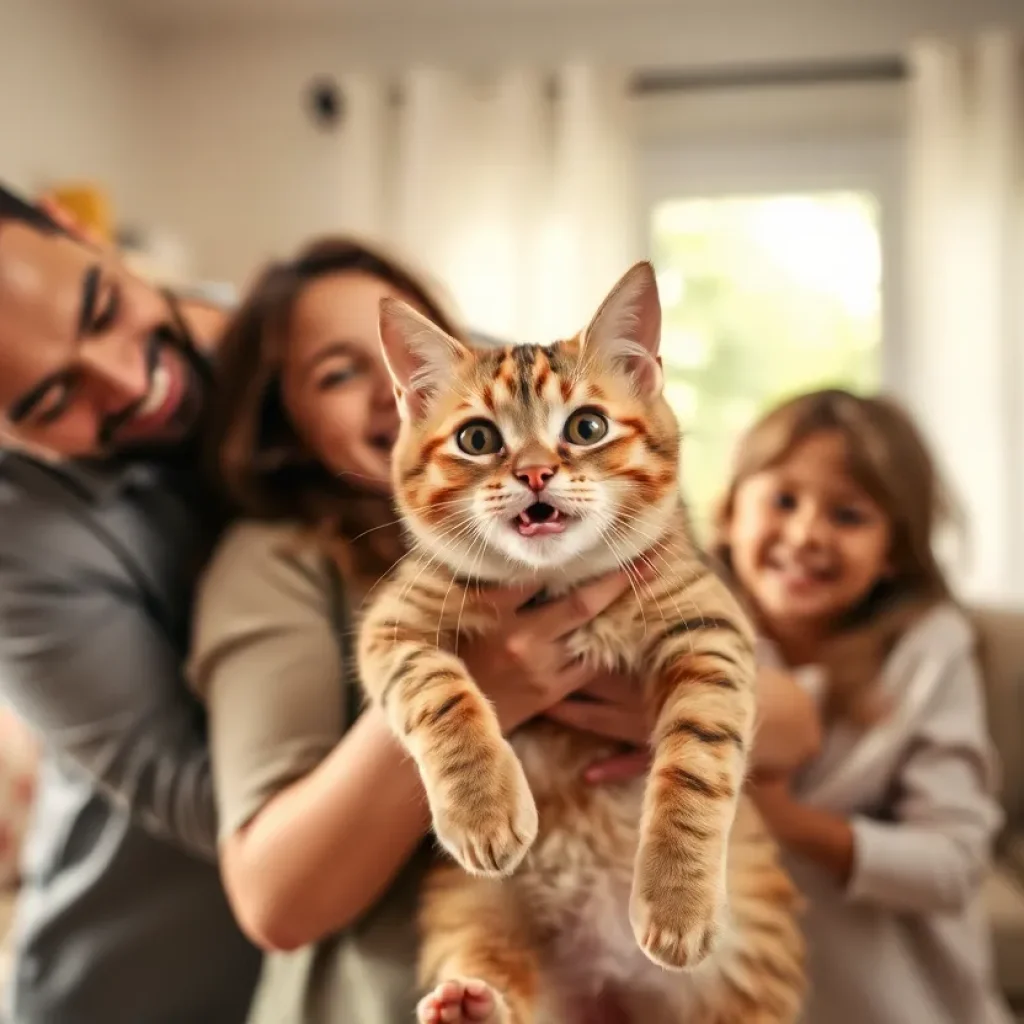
{"points": [[553, 465]]}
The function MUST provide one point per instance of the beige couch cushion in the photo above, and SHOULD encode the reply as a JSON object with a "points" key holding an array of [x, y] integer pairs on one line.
{"points": [[7, 897], [1001, 650], [1004, 900]]}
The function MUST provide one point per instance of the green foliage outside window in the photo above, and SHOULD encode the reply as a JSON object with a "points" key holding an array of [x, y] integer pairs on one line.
{"points": [[764, 297]]}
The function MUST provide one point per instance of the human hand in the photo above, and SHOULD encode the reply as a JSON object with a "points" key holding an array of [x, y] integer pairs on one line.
{"points": [[773, 797], [523, 664], [788, 730], [611, 707]]}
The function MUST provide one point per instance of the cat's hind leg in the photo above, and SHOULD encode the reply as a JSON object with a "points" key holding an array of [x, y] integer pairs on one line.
{"points": [[476, 958]]}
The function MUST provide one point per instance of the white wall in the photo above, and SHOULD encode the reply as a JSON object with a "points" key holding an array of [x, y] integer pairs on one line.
{"points": [[72, 99], [245, 175], [200, 129]]}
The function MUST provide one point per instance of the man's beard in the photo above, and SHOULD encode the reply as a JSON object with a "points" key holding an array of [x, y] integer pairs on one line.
{"points": [[183, 427]]}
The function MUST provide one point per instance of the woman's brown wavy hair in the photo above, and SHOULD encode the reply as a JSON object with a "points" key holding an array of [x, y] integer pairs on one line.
{"points": [[255, 455]]}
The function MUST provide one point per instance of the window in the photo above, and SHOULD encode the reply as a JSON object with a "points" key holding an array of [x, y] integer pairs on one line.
{"points": [[764, 296], [774, 218]]}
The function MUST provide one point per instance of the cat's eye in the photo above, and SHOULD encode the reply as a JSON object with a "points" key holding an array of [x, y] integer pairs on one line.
{"points": [[585, 426], [479, 437]]}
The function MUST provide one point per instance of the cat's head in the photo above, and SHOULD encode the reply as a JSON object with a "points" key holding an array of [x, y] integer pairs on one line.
{"points": [[556, 461]]}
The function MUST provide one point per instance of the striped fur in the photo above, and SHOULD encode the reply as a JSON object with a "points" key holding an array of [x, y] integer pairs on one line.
{"points": [[560, 884]]}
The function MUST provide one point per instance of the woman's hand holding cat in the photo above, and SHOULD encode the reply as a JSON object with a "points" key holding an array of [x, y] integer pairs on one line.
{"points": [[609, 706], [613, 709], [524, 664]]}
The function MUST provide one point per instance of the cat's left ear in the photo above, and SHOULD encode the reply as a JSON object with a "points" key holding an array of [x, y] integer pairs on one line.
{"points": [[420, 356], [626, 330]]}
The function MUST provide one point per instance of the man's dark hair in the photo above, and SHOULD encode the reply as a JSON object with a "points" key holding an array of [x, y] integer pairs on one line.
{"points": [[13, 207]]}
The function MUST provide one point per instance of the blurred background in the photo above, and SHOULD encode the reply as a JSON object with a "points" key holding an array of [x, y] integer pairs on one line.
{"points": [[832, 190]]}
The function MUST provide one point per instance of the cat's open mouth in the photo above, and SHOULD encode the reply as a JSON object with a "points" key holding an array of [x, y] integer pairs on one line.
{"points": [[540, 520]]}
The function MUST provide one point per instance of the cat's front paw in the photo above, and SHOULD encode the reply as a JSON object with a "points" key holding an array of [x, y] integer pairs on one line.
{"points": [[463, 1001], [677, 927], [490, 829]]}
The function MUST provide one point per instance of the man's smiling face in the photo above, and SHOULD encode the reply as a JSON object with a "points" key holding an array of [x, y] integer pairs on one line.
{"points": [[91, 363]]}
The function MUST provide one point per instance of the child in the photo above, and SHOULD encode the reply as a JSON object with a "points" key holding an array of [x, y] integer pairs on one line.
{"points": [[827, 528]]}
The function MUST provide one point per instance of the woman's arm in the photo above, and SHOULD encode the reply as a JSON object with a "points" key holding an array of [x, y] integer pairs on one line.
{"points": [[324, 850], [311, 830], [314, 830]]}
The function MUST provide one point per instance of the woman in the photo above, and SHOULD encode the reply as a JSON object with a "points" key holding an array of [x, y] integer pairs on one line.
{"points": [[322, 819]]}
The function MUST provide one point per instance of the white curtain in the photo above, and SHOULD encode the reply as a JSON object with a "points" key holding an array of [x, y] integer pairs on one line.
{"points": [[965, 364], [514, 190]]}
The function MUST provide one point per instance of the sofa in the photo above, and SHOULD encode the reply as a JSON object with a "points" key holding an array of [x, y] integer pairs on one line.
{"points": [[1001, 649]]}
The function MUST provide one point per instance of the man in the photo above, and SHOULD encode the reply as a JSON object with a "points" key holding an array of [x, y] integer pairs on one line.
{"points": [[102, 379]]}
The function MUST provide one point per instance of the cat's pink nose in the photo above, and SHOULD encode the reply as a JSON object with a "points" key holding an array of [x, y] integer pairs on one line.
{"points": [[535, 477]]}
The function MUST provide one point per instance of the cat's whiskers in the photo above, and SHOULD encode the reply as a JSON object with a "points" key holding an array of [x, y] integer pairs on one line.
{"points": [[453, 533], [415, 548], [672, 594], [660, 548], [580, 500], [612, 529], [484, 540], [654, 569], [401, 519], [628, 569], [440, 618], [386, 575]]}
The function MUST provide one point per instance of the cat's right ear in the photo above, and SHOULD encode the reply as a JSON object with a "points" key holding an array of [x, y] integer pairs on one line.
{"points": [[420, 356], [626, 330]]}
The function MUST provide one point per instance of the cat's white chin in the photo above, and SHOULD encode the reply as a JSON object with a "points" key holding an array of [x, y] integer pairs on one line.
{"points": [[553, 551], [586, 547]]}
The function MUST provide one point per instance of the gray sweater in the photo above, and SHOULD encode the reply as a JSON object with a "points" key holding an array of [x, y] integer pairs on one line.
{"points": [[121, 917], [907, 942]]}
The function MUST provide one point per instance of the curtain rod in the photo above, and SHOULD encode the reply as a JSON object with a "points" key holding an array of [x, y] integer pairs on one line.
{"points": [[881, 69], [669, 80]]}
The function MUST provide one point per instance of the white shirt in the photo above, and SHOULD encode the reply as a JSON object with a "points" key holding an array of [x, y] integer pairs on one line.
{"points": [[907, 941]]}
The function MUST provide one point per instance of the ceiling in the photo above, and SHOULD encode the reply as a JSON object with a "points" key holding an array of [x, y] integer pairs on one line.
{"points": [[635, 33], [203, 15], [200, 14]]}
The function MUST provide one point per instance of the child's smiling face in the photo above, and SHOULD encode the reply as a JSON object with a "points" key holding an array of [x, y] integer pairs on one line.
{"points": [[807, 542]]}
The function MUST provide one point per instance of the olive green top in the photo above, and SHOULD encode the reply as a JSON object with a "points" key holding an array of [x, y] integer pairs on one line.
{"points": [[270, 658]]}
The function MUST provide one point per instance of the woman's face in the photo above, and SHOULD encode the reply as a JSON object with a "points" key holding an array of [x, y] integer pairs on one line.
{"points": [[335, 383]]}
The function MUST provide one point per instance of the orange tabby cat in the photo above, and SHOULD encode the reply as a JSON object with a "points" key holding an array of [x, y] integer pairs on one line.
{"points": [[553, 465]]}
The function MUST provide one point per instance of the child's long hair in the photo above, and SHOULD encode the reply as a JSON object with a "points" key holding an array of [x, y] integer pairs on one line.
{"points": [[889, 459]]}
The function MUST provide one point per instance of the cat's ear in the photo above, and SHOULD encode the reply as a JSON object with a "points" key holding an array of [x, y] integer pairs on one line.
{"points": [[626, 330], [420, 356]]}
